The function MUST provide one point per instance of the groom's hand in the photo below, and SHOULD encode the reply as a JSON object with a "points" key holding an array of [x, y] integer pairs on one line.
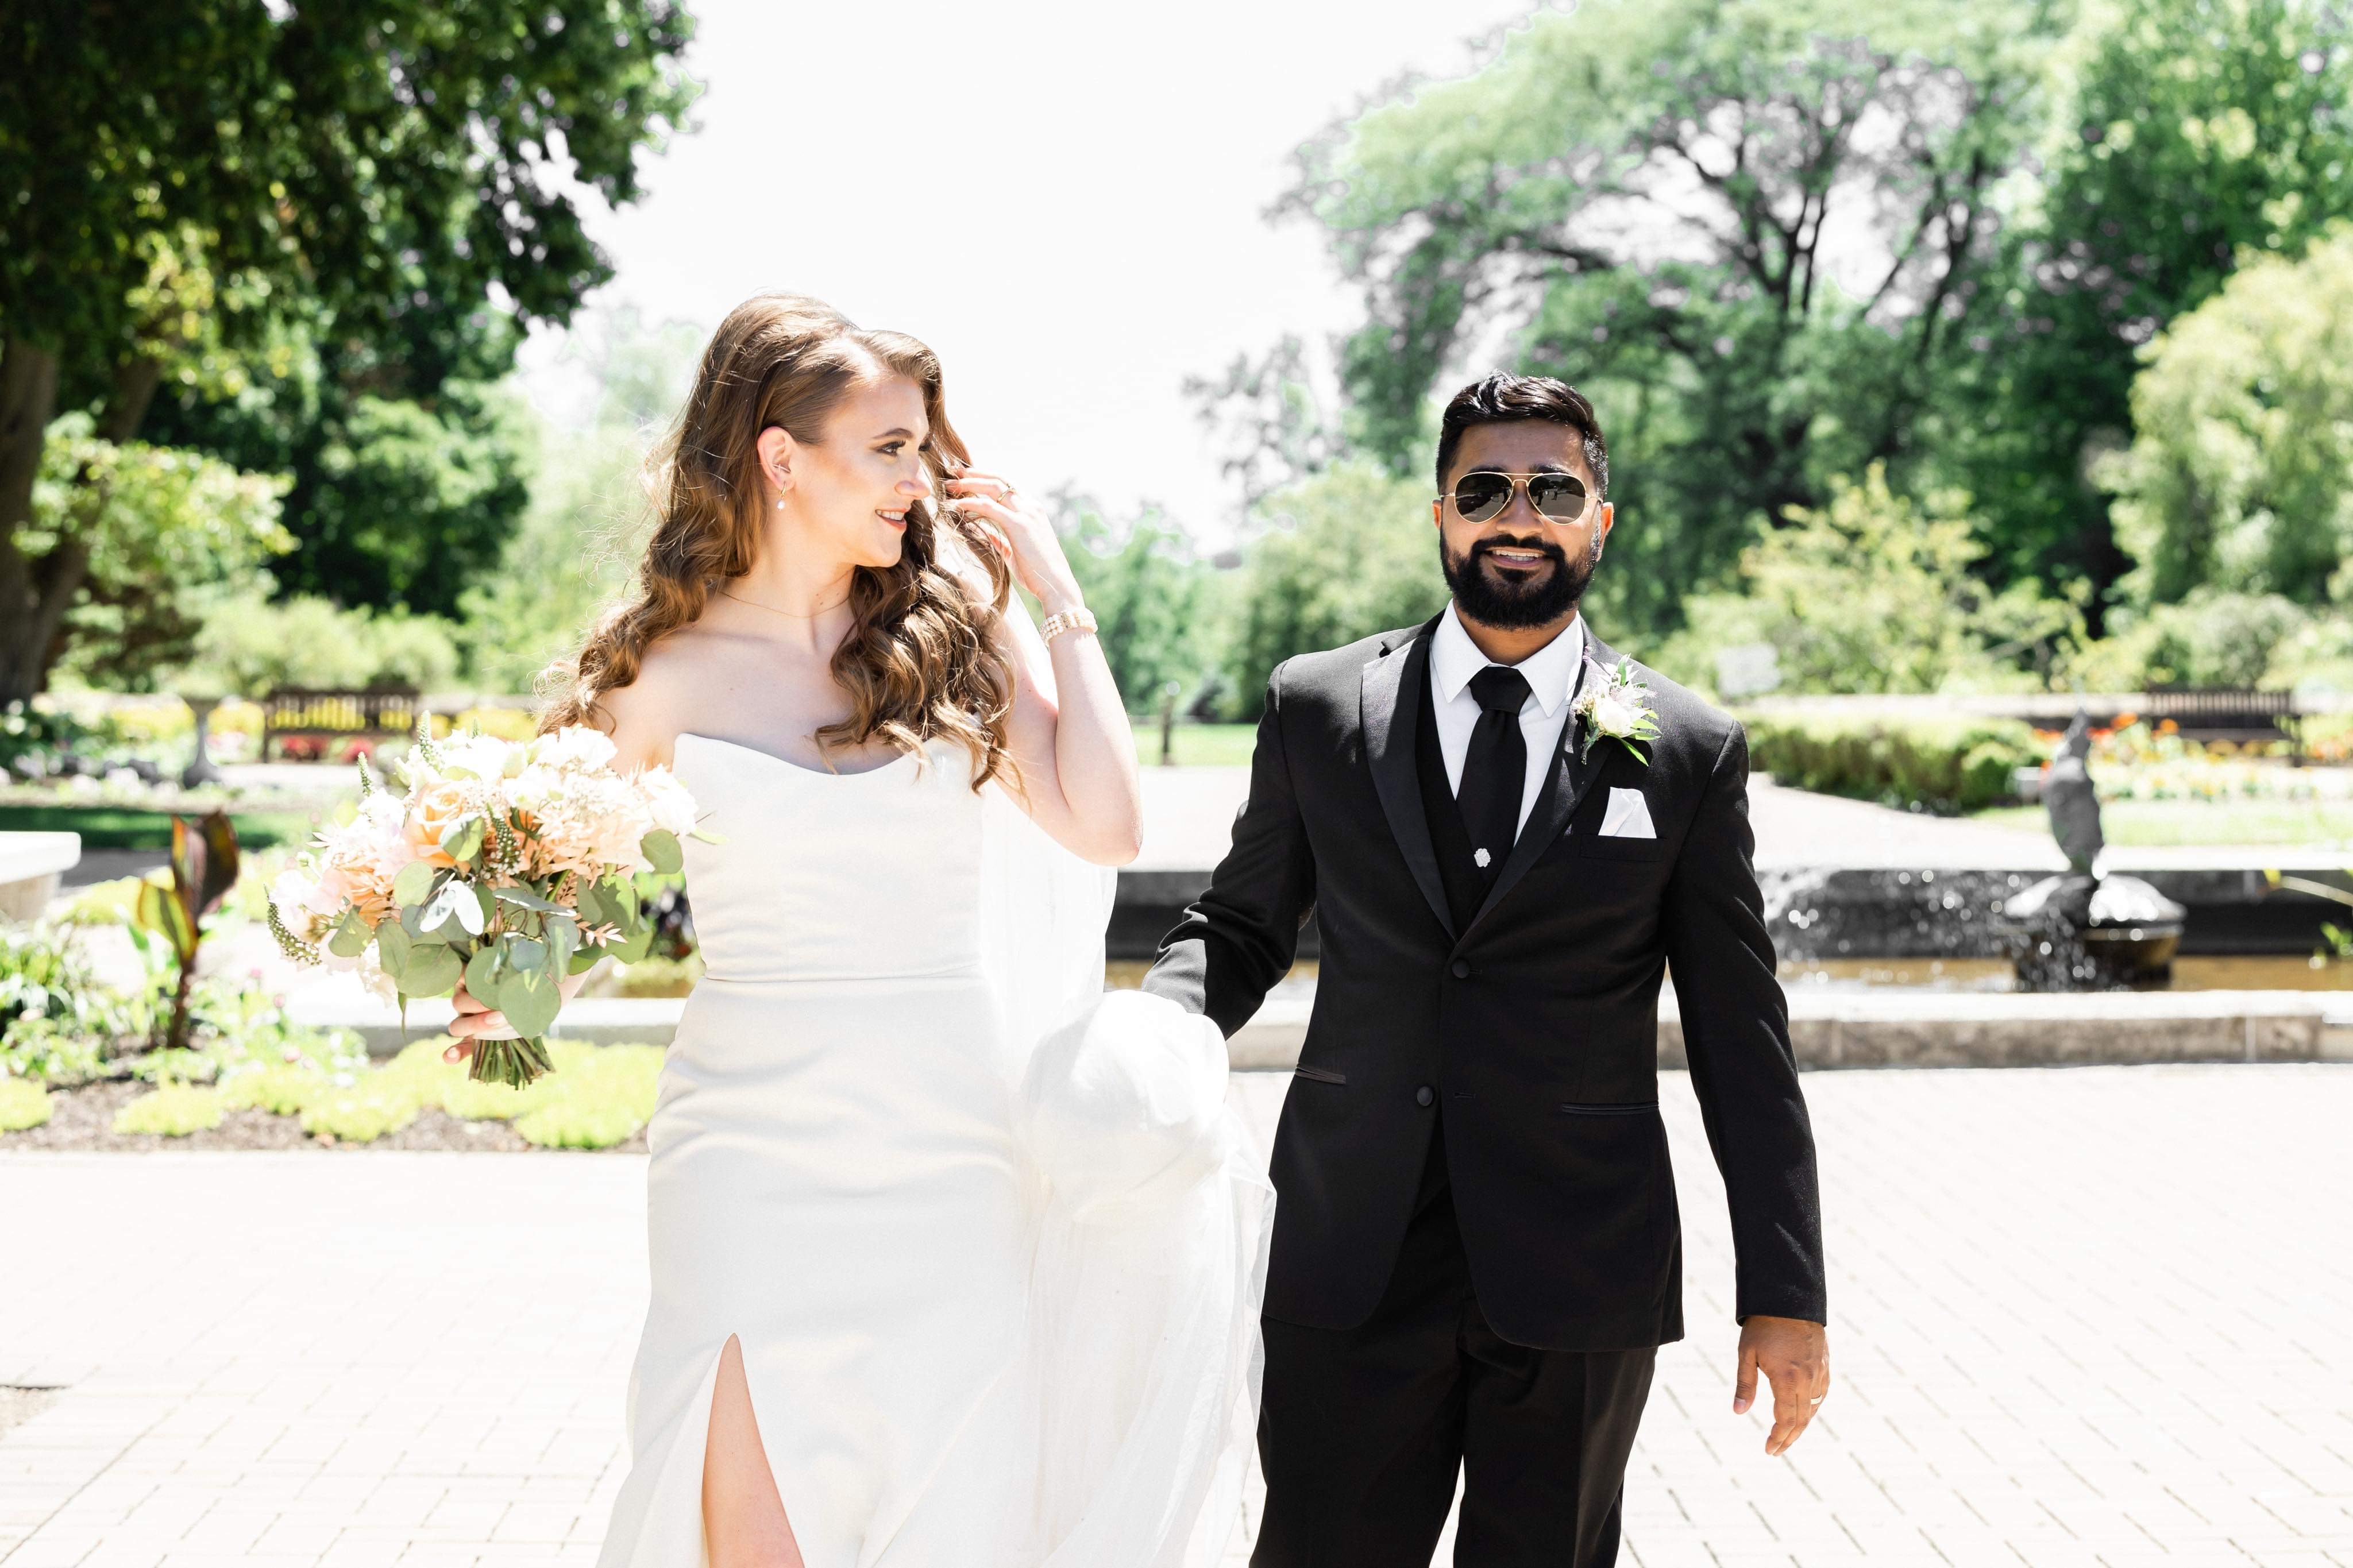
{"points": [[1795, 1356]]}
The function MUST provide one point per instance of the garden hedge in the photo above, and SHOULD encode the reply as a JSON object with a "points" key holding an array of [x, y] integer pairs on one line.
{"points": [[1943, 765]]}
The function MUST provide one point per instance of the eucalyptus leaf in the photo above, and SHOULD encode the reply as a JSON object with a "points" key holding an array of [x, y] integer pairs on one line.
{"points": [[430, 972], [350, 938], [660, 849], [524, 897], [531, 1002], [393, 948], [592, 907], [526, 955], [563, 936], [634, 946], [414, 884], [482, 973], [462, 839]]}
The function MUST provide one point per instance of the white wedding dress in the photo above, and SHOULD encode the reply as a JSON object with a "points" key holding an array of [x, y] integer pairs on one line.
{"points": [[991, 1240]]}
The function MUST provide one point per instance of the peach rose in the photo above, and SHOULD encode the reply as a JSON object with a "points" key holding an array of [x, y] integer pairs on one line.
{"points": [[438, 806]]}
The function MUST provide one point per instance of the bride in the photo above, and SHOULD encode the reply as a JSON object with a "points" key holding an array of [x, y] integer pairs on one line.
{"points": [[955, 1258]]}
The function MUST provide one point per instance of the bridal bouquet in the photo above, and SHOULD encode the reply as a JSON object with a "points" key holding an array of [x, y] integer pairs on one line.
{"points": [[508, 865]]}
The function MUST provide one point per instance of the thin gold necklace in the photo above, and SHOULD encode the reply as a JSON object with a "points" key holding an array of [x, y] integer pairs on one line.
{"points": [[786, 614]]}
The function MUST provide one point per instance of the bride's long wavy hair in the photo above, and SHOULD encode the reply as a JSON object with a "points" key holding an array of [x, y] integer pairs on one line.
{"points": [[918, 661]]}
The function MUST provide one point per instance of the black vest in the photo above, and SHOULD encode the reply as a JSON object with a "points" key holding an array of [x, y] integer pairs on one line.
{"points": [[1466, 885]]}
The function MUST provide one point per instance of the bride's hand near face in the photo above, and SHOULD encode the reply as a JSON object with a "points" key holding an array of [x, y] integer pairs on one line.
{"points": [[1020, 529], [1068, 731]]}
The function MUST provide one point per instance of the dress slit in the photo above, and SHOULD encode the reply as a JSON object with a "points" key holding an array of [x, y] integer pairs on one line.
{"points": [[710, 1408]]}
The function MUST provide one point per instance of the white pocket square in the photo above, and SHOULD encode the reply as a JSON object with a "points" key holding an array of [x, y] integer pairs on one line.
{"points": [[1628, 816]]}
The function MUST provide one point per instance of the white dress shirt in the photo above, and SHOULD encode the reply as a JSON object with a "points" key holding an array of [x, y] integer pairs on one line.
{"points": [[1552, 673]]}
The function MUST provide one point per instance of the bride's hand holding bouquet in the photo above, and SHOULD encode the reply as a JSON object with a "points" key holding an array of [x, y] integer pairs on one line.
{"points": [[500, 873]]}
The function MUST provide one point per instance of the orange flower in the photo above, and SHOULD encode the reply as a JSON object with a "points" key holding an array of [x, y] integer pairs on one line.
{"points": [[440, 805]]}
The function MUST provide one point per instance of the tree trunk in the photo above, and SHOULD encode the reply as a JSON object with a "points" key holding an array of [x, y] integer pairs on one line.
{"points": [[28, 398], [136, 381]]}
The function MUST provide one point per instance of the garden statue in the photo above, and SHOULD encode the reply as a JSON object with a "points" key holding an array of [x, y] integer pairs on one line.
{"points": [[2080, 930], [201, 769], [2067, 796]]}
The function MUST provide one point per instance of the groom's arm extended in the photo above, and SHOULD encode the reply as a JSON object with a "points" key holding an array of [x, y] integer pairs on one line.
{"points": [[1737, 1035], [1238, 939]]}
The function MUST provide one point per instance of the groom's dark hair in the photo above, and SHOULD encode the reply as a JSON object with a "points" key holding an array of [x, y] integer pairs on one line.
{"points": [[1511, 399]]}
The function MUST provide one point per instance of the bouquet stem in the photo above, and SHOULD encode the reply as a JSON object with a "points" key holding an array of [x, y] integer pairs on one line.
{"points": [[510, 1062]]}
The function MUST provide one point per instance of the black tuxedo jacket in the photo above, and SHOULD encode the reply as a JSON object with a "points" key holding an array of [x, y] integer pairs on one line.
{"points": [[1533, 1030]]}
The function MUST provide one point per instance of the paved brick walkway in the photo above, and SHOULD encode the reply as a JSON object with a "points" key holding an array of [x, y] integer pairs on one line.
{"points": [[2089, 1317]]}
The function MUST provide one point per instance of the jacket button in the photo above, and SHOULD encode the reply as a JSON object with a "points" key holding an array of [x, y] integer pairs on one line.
{"points": [[1462, 968], [1424, 1095]]}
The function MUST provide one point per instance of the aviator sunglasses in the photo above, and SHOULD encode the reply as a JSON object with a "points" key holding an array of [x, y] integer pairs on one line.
{"points": [[1483, 493]]}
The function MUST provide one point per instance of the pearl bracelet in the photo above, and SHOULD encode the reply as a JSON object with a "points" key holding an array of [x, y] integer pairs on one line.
{"points": [[1081, 619]]}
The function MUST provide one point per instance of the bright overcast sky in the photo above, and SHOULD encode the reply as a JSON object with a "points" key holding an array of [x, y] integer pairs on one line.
{"points": [[1065, 200]]}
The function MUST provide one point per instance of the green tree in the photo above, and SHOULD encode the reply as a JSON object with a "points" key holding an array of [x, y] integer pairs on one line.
{"points": [[249, 646], [1149, 593], [2187, 134], [2240, 476], [1341, 555], [1752, 230], [154, 537], [2210, 638], [583, 529], [1875, 592], [396, 502], [198, 179]]}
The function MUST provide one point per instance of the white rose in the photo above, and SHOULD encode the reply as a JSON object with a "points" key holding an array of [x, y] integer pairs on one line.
{"points": [[292, 891], [672, 808], [484, 756], [1613, 716], [574, 746]]}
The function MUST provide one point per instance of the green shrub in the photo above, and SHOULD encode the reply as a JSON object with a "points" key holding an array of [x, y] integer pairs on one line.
{"points": [[1874, 592], [59, 1021], [1936, 764], [174, 1111], [279, 1090], [24, 1102], [249, 646], [361, 1114], [599, 1096], [579, 1125]]}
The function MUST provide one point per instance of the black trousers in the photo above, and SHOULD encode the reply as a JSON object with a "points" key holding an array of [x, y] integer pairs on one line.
{"points": [[1361, 1430]]}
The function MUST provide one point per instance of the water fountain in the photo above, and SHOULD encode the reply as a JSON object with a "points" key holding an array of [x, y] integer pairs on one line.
{"points": [[2080, 930]]}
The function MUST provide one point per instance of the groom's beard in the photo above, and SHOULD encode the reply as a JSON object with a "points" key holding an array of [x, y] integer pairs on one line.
{"points": [[1510, 600]]}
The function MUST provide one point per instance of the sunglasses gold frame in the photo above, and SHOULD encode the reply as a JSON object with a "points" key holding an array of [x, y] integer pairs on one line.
{"points": [[1520, 486]]}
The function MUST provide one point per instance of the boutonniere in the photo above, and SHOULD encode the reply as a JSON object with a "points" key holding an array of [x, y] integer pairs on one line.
{"points": [[1614, 706]]}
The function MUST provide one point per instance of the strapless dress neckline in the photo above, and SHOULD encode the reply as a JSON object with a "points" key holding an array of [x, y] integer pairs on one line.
{"points": [[900, 759]]}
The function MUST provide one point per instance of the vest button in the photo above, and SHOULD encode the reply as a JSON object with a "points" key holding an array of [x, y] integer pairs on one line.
{"points": [[1461, 969], [1424, 1095]]}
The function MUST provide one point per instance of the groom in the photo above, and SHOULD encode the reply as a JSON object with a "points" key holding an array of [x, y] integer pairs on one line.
{"points": [[1476, 1253]]}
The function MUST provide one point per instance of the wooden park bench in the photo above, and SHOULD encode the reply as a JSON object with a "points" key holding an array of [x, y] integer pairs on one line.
{"points": [[2224, 713], [299, 712]]}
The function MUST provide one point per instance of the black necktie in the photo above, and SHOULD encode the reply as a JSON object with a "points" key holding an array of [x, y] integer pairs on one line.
{"points": [[1494, 769]]}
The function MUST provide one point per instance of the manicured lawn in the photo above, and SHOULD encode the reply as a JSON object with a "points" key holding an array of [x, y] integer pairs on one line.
{"points": [[1197, 745], [2159, 823], [126, 827]]}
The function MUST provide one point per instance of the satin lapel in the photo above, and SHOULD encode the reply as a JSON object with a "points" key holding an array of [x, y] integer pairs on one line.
{"points": [[1571, 778], [1396, 685]]}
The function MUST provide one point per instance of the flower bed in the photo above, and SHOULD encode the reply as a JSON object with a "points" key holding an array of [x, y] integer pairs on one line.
{"points": [[76, 1071]]}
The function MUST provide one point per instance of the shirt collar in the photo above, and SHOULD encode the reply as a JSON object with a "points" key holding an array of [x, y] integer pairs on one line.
{"points": [[1551, 671]]}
